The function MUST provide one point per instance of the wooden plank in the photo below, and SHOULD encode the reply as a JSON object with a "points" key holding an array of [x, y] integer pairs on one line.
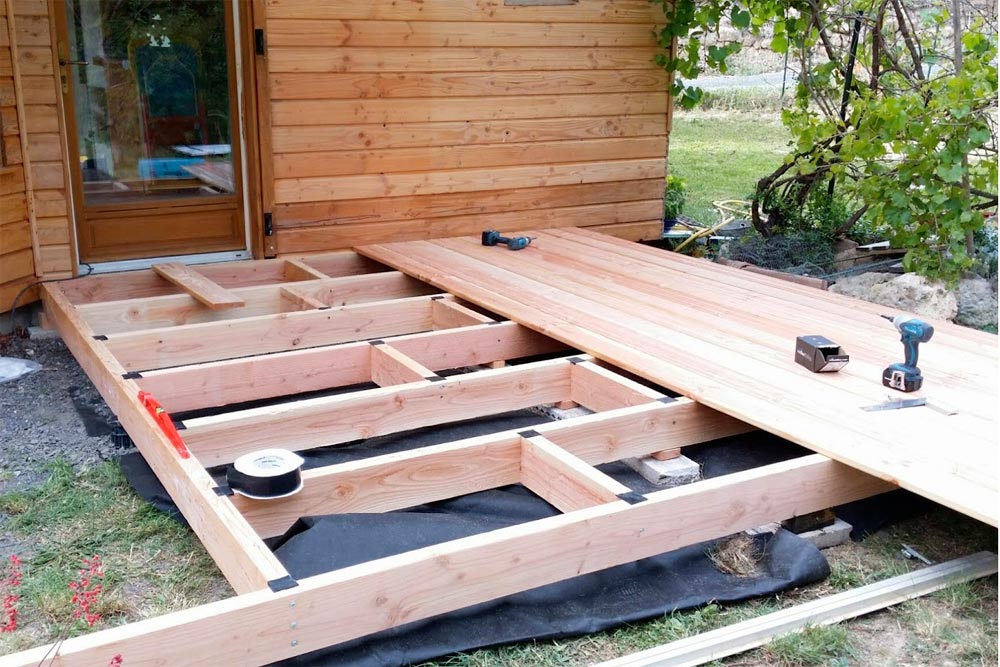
{"points": [[599, 389], [328, 33], [239, 380], [391, 367], [466, 180], [310, 139], [229, 339], [16, 265], [404, 479], [330, 420], [296, 300], [32, 30], [351, 234], [448, 314], [109, 317], [198, 286], [830, 609], [146, 283], [563, 480], [587, 11], [35, 60], [736, 358], [244, 560], [298, 270], [13, 208], [353, 85], [650, 230], [336, 163], [15, 236], [364, 112], [369, 597], [428, 207]]}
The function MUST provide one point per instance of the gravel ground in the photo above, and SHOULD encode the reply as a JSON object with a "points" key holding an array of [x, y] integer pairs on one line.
{"points": [[53, 413]]}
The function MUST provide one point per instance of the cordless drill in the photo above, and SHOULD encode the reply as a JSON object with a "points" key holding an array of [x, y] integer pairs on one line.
{"points": [[906, 376], [492, 237]]}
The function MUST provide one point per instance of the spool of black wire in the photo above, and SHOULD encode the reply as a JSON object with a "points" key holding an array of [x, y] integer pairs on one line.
{"points": [[266, 474]]}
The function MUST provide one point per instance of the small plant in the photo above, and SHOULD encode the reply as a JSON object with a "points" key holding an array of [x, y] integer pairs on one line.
{"points": [[674, 197], [9, 586]]}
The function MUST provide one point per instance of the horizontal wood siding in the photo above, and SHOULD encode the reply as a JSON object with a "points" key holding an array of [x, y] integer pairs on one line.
{"points": [[44, 153], [402, 120], [17, 262]]}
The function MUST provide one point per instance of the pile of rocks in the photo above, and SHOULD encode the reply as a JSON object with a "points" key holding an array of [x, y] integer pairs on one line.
{"points": [[973, 303]]}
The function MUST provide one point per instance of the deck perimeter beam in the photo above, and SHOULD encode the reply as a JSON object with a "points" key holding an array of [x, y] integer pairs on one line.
{"points": [[242, 557], [355, 601]]}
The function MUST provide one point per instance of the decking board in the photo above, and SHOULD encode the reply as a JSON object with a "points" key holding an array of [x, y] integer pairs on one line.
{"points": [[725, 338]]}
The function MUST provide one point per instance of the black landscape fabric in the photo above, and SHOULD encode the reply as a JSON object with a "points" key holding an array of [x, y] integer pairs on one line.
{"points": [[682, 579]]}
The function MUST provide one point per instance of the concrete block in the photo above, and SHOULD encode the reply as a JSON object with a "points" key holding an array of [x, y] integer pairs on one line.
{"points": [[669, 473], [552, 412], [38, 333], [837, 533]]}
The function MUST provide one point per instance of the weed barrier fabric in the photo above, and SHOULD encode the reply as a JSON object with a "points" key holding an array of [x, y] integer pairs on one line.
{"points": [[682, 579]]}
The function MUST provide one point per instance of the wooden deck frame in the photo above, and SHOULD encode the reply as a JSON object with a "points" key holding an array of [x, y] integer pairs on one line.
{"points": [[602, 524]]}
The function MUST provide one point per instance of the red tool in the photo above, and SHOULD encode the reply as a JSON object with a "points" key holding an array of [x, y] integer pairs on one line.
{"points": [[162, 418]]}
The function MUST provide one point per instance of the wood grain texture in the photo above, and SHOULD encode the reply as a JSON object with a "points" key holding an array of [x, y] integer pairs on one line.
{"points": [[331, 420], [363, 100], [198, 286], [368, 85], [369, 597], [731, 348], [285, 373]]}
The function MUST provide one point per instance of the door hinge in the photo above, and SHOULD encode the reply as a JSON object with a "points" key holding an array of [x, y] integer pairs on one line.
{"points": [[258, 41], [268, 225]]}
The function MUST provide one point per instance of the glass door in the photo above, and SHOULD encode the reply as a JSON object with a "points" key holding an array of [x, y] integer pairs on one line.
{"points": [[150, 105]]}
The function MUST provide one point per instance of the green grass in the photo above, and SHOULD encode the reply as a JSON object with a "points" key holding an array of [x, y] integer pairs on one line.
{"points": [[722, 156], [814, 646], [152, 564]]}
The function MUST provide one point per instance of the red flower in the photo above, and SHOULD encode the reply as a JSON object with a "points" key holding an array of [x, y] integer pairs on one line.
{"points": [[86, 591], [116, 661], [8, 586]]}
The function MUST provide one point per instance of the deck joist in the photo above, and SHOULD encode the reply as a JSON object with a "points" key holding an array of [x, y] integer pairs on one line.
{"points": [[332, 348]]}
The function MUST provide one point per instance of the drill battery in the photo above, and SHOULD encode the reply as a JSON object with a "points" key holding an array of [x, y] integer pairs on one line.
{"points": [[819, 354]]}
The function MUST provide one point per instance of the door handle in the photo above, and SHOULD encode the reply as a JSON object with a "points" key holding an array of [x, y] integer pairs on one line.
{"points": [[64, 63]]}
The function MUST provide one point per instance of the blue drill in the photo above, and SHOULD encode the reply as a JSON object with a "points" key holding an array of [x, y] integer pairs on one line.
{"points": [[906, 376], [492, 237]]}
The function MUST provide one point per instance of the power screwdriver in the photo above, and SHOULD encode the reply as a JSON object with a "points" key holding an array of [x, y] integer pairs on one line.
{"points": [[906, 376], [492, 237]]}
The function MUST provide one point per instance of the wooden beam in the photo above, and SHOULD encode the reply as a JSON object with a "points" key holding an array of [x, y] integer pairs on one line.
{"points": [[561, 479], [178, 309], [237, 380], [296, 300], [449, 314], [330, 420], [296, 269], [394, 481], [599, 389], [830, 609], [392, 367], [146, 283], [198, 286], [211, 341], [244, 560], [355, 601]]}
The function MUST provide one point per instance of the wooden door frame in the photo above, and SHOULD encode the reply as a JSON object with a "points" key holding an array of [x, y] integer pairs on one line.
{"points": [[257, 106], [243, 125]]}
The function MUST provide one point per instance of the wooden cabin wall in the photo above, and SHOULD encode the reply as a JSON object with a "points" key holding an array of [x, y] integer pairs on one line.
{"points": [[17, 261], [405, 120], [46, 155]]}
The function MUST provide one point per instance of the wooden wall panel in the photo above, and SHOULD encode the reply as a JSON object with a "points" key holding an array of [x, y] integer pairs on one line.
{"points": [[44, 147], [392, 120], [17, 261]]}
